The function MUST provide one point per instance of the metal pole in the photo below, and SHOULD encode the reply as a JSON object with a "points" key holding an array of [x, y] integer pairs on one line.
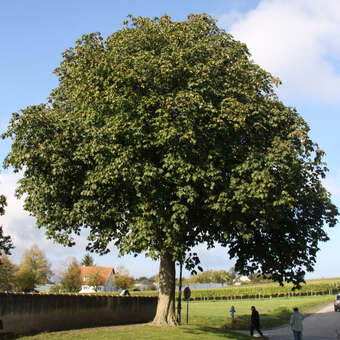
{"points": [[179, 305], [188, 311]]}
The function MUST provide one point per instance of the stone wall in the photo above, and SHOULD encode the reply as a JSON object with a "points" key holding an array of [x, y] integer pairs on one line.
{"points": [[22, 313]]}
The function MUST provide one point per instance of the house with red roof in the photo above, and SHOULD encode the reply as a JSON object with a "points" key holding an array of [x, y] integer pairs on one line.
{"points": [[97, 279]]}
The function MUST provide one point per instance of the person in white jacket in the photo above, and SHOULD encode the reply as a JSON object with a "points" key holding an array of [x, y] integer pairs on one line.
{"points": [[296, 324]]}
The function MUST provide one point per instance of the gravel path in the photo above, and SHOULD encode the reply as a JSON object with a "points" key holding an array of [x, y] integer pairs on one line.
{"points": [[323, 325]]}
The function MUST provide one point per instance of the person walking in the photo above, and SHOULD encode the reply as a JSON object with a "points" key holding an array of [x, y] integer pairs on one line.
{"points": [[296, 324], [232, 312], [255, 321]]}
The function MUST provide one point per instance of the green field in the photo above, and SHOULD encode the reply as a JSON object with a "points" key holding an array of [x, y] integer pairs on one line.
{"points": [[260, 290], [207, 320]]}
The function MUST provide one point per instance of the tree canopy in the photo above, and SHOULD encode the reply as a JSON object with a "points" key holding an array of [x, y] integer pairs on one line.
{"points": [[166, 135]]}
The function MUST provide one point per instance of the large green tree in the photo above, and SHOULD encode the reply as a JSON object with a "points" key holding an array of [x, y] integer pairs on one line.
{"points": [[166, 135]]}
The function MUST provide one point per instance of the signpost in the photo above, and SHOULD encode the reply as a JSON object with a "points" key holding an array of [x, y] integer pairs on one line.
{"points": [[187, 294], [179, 305]]}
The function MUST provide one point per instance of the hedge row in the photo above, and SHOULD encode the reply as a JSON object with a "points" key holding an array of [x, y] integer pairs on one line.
{"points": [[266, 291]]}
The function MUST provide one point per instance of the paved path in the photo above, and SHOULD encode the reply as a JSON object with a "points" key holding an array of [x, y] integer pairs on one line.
{"points": [[323, 325]]}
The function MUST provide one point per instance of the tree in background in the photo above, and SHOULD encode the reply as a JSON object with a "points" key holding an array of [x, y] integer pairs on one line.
{"points": [[71, 281], [95, 278], [34, 269], [56, 289], [145, 280], [7, 274], [221, 276], [208, 276], [87, 261], [150, 286], [204, 277], [122, 279], [165, 136], [232, 273], [5, 241]]}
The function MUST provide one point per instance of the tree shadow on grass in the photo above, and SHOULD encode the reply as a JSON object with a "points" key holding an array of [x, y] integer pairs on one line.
{"points": [[8, 336], [216, 332], [279, 317]]}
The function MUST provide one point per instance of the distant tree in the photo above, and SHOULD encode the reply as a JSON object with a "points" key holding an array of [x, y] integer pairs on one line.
{"points": [[7, 274], [150, 287], [232, 273], [145, 280], [56, 288], [207, 276], [122, 279], [95, 278], [192, 279], [61, 268], [25, 280], [221, 276], [165, 136], [34, 269], [71, 281], [5, 241], [204, 277], [142, 278], [87, 261]]}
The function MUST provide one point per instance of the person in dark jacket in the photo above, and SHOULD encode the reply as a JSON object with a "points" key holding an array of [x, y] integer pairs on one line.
{"points": [[255, 321]]}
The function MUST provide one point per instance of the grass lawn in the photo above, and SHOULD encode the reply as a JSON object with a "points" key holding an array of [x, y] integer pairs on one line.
{"points": [[207, 320], [273, 312]]}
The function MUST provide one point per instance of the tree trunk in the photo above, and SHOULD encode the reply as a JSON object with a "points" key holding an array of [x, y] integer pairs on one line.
{"points": [[165, 315]]}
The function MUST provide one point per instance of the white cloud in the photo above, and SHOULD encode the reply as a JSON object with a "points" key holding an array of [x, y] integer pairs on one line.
{"points": [[22, 228], [296, 40]]}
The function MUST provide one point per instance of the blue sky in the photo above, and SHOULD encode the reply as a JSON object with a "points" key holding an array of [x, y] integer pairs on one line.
{"points": [[296, 40]]}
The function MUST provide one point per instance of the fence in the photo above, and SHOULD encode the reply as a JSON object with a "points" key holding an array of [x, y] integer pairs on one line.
{"points": [[23, 313], [218, 296]]}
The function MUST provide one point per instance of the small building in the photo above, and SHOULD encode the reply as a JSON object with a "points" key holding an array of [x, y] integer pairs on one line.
{"points": [[44, 288], [105, 273], [241, 279]]}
